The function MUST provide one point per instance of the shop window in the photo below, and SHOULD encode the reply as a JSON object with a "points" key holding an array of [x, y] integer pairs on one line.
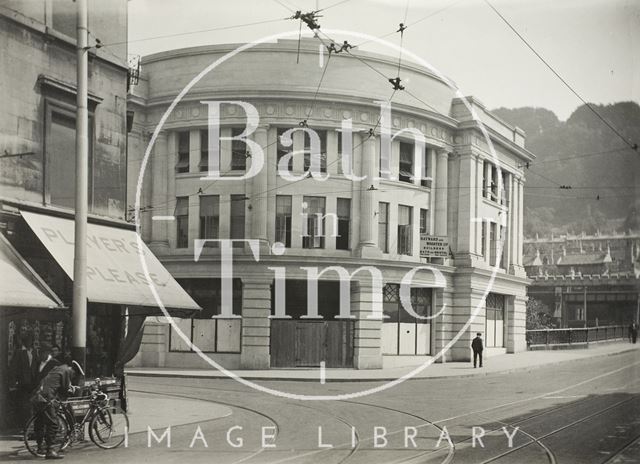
{"points": [[344, 223], [322, 134], [237, 219], [182, 165], [282, 150], [209, 217], [283, 220], [238, 151], [383, 227], [204, 150], [182, 222], [404, 230], [315, 217], [406, 162], [494, 322], [60, 148]]}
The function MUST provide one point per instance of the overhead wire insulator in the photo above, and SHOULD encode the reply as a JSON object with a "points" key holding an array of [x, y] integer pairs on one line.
{"points": [[395, 82]]}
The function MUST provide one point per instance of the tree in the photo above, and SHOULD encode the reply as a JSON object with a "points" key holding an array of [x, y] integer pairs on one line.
{"points": [[539, 315]]}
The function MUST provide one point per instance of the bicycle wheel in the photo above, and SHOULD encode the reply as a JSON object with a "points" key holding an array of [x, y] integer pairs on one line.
{"points": [[108, 430], [62, 438]]}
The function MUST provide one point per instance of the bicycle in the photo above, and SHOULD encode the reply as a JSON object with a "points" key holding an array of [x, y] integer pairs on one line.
{"points": [[106, 430]]}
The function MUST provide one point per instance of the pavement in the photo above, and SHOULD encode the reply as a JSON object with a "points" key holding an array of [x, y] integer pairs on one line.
{"points": [[503, 363], [149, 410]]}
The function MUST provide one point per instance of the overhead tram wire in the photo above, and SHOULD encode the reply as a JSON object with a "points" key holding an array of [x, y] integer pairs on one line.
{"points": [[214, 29], [632, 145], [584, 155]]}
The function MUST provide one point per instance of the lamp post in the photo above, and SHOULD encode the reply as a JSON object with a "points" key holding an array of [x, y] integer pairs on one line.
{"points": [[79, 314]]}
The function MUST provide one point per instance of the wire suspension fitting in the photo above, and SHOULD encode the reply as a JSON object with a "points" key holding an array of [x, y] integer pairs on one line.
{"points": [[395, 82], [308, 18]]}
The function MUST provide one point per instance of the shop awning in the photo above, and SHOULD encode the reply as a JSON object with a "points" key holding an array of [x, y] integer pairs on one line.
{"points": [[20, 286], [114, 270]]}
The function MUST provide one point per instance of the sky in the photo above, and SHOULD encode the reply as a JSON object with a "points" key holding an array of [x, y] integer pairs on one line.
{"points": [[593, 44]]}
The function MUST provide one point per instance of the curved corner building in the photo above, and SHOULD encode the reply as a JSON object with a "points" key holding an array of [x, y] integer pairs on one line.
{"points": [[456, 188]]}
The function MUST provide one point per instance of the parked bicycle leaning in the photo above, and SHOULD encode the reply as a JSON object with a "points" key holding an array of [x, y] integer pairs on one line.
{"points": [[57, 385]]}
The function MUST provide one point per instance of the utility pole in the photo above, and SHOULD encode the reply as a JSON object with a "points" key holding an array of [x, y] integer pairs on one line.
{"points": [[79, 322]]}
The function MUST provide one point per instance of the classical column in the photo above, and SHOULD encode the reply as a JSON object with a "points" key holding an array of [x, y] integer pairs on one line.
{"points": [[513, 223], [368, 200], [159, 192], [256, 307], [516, 315], [259, 189], [442, 186]]}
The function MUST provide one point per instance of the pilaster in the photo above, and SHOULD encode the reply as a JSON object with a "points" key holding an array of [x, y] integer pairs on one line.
{"points": [[159, 241]]}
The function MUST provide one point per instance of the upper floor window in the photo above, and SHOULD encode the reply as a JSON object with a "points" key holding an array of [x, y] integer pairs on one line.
{"points": [[493, 243], [404, 230], [182, 222], [344, 223], [494, 183], [313, 236], [237, 219], [183, 152], [383, 227], [60, 157], [209, 216], [405, 170], [424, 221], [322, 134], [63, 16], [238, 151], [204, 150], [424, 179], [283, 220], [504, 197], [282, 150], [483, 238]]}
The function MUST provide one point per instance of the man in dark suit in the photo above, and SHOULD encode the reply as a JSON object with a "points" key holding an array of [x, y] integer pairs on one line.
{"points": [[477, 347], [24, 376]]}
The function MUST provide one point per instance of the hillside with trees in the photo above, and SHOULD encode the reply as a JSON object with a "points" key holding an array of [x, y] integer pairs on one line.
{"points": [[585, 154]]}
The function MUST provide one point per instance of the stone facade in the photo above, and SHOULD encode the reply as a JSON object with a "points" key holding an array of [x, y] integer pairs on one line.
{"points": [[469, 190]]}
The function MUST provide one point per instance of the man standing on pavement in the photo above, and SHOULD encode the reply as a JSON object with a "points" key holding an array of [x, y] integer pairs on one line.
{"points": [[477, 347], [48, 360]]}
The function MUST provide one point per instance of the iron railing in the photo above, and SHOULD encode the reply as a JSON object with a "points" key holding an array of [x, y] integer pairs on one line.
{"points": [[575, 336]]}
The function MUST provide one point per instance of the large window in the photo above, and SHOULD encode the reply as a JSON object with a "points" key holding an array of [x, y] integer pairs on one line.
{"points": [[237, 219], [282, 150], [344, 224], [406, 162], [182, 222], [283, 220], [183, 152], [425, 163], [383, 227], [238, 151], [404, 230], [483, 241], [204, 150], [495, 320], [503, 255], [322, 134], [209, 217], [315, 211], [403, 334]]}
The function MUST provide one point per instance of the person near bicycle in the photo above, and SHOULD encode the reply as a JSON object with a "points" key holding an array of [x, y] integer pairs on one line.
{"points": [[56, 386]]}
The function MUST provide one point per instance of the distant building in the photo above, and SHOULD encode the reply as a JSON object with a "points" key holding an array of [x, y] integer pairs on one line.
{"points": [[450, 190], [586, 279]]}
